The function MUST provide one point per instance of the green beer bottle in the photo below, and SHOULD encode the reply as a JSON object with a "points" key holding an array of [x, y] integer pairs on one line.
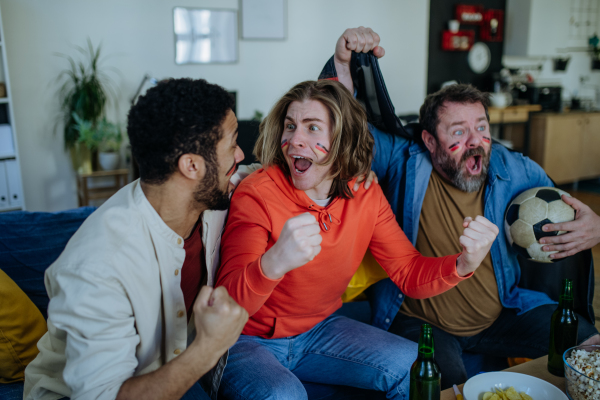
{"points": [[563, 329], [425, 375]]}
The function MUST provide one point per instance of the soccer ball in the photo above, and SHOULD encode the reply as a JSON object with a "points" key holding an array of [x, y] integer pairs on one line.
{"points": [[526, 216]]}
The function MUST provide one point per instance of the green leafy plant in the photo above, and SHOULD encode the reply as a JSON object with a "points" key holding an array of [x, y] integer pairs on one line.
{"points": [[103, 136], [110, 137], [84, 91]]}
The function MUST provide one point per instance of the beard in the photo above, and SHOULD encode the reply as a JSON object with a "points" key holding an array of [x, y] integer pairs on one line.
{"points": [[457, 172], [208, 191]]}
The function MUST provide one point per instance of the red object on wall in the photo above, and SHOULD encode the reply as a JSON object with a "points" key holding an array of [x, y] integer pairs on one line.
{"points": [[492, 27], [459, 41], [469, 14]]}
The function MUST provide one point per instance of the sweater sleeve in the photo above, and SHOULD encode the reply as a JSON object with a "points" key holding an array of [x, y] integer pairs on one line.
{"points": [[417, 276], [244, 241]]}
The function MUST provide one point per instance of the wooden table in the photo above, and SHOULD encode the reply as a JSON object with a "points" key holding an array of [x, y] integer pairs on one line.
{"points": [[537, 368], [85, 193]]}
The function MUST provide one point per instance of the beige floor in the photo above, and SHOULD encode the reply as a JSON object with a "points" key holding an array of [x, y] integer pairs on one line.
{"points": [[593, 200]]}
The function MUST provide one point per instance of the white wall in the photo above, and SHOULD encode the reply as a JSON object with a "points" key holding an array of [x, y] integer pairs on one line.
{"points": [[138, 36]]}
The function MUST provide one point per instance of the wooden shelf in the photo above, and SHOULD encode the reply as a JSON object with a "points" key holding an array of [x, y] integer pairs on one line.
{"points": [[85, 193]]}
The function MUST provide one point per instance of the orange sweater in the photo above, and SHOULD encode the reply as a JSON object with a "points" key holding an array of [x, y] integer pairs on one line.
{"points": [[261, 205]]}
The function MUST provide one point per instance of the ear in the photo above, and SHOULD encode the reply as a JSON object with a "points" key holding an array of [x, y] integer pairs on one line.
{"points": [[429, 140], [192, 166]]}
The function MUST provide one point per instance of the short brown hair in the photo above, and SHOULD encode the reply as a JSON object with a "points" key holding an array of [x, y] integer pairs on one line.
{"points": [[351, 143], [460, 93]]}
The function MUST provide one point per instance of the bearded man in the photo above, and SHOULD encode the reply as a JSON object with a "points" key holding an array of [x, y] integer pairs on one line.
{"points": [[453, 170], [129, 315]]}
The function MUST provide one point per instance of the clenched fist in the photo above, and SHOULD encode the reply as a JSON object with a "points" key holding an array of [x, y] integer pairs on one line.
{"points": [[298, 243], [219, 321], [476, 241]]}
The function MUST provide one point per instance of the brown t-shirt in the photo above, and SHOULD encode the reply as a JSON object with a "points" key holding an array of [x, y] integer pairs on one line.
{"points": [[474, 304]]}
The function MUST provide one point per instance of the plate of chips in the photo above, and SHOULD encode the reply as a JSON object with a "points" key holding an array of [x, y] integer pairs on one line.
{"points": [[510, 386]]}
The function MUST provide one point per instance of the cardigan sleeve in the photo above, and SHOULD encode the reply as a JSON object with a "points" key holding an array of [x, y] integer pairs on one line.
{"points": [[417, 276], [244, 241]]}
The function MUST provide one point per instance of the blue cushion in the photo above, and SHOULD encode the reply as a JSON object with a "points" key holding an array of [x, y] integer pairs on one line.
{"points": [[31, 241], [11, 391]]}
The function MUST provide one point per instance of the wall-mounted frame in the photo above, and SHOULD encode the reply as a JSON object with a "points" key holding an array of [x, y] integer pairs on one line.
{"points": [[263, 19], [205, 36]]}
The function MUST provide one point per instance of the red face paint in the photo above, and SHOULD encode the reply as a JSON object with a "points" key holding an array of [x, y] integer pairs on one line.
{"points": [[455, 147], [284, 143], [233, 169], [322, 148], [486, 140]]}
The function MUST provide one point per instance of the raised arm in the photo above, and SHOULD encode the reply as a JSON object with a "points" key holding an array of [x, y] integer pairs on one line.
{"points": [[219, 321], [422, 277], [360, 40], [250, 267]]}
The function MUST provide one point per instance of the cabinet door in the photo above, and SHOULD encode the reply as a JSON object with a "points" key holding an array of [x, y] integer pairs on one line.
{"points": [[3, 186], [563, 148], [590, 160], [15, 191]]}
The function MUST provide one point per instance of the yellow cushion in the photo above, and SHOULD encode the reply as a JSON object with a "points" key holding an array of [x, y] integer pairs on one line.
{"points": [[368, 273], [21, 326]]}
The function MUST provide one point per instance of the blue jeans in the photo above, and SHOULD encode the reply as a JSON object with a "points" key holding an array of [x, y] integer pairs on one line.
{"points": [[337, 351], [511, 335]]}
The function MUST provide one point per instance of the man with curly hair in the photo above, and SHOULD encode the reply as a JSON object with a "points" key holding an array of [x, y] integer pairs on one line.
{"points": [[129, 317]]}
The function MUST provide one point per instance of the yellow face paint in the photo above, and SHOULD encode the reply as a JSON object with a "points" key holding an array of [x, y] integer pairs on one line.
{"points": [[455, 148]]}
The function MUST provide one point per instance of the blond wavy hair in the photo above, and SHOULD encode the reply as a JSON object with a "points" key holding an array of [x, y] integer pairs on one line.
{"points": [[351, 150]]}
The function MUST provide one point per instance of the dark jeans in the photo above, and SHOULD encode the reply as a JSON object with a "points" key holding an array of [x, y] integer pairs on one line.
{"points": [[511, 335]]}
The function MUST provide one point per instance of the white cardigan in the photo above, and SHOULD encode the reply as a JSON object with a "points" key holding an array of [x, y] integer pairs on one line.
{"points": [[115, 294]]}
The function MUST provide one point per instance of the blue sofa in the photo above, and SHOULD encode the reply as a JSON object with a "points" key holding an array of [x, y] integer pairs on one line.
{"points": [[31, 241]]}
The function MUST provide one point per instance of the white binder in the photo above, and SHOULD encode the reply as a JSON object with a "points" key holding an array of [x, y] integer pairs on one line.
{"points": [[15, 191], [3, 186], [7, 148]]}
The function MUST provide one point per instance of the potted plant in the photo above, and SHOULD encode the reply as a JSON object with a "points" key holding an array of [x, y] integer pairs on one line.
{"points": [[84, 92], [109, 146]]}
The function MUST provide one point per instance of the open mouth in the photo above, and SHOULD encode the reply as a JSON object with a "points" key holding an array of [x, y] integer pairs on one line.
{"points": [[473, 164], [301, 164]]}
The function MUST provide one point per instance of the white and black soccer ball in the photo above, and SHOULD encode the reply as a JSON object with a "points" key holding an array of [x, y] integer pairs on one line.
{"points": [[526, 216]]}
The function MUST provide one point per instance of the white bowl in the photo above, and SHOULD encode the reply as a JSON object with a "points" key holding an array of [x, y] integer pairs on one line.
{"points": [[535, 387]]}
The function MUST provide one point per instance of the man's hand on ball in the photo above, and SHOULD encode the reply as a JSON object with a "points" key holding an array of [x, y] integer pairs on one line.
{"points": [[476, 241], [298, 243], [582, 233]]}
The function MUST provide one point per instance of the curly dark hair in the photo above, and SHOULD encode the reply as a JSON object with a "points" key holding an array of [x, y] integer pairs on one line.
{"points": [[176, 117], [460, 93]]}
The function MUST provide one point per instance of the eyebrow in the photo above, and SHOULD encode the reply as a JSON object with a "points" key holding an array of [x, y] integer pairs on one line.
{"points": [[304, 120], [464, 122]]}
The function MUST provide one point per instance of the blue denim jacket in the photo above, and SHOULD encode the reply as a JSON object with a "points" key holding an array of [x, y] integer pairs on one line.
{"points": [[404, 167]]}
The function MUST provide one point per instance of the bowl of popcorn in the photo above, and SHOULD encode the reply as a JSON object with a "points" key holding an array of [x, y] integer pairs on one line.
{"points": [[582, 372], [504, 385]]}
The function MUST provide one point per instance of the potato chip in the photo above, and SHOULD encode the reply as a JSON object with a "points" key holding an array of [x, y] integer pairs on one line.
{"points": [[512, 394], [487, 395], [525, 396], [495, 397]]}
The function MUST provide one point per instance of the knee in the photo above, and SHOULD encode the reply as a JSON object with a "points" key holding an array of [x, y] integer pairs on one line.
{"points": [[287, 390]]}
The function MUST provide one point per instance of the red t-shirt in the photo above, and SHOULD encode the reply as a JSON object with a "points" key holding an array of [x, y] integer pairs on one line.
{"points": [[191, 272]]}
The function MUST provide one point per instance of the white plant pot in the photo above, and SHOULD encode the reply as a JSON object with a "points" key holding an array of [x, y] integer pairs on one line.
{"points": [[108, 161]]}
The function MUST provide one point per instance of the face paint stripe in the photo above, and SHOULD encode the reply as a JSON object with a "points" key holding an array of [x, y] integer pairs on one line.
{"points": [[284, 143], [486, 139], [322, 148], [232, 170], [454, 147]]}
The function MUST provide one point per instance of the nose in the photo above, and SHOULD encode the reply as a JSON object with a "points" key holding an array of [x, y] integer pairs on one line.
{"points": [[298, 139], [238, 155], [474, 140]]}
